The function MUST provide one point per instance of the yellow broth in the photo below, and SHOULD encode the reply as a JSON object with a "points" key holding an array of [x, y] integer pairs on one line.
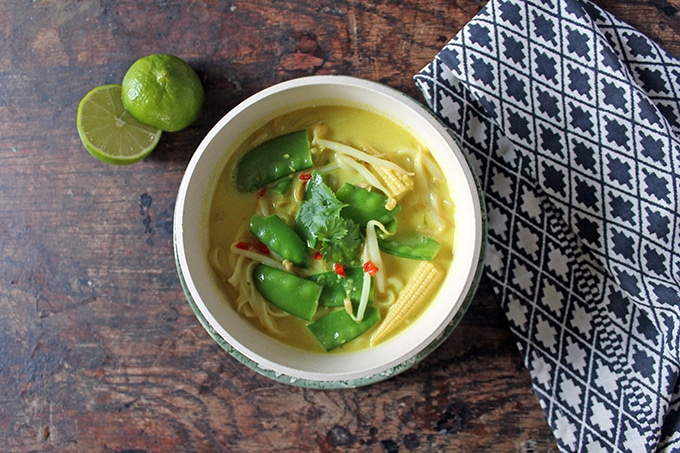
{"points": [[356, 127]]}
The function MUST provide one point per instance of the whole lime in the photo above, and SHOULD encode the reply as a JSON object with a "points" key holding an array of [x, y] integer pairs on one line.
{"points": [[163, 91]]}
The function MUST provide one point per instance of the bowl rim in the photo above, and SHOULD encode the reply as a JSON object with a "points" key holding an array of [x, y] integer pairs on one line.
{"points": [[473, 281]]}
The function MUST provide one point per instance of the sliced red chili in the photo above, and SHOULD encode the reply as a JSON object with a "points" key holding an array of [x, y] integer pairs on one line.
{"points": [[370, 268], [305, 177], [317, 255], [260, 247], [339, 269], [242, 245]]}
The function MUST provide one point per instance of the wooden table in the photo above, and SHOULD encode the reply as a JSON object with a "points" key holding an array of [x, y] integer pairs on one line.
{"points": [[99, 350]]}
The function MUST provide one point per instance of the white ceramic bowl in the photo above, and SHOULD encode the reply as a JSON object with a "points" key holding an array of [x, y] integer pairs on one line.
{"points": [[271, 357]]}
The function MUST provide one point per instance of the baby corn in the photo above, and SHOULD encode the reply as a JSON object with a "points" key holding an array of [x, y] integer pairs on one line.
{"points": [[398, 183], [410, 300]]}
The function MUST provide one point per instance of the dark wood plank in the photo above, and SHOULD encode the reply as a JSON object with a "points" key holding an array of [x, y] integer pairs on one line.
{"points": [[99, 350]]}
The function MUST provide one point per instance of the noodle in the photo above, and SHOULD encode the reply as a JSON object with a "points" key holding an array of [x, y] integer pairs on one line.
{"points": [[215, 262], [234, 250]]}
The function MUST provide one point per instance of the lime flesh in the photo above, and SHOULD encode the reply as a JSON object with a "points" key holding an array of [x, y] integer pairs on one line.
{"points": [[109, 132]]}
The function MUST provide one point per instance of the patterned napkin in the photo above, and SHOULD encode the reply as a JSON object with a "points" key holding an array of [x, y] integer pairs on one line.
{"points": [[572, 119]]}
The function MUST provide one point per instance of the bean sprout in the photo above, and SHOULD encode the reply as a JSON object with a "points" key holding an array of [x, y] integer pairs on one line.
{"points": [[255, 256], [371, 253], [347, 150], [429, 197], [369, 177]]}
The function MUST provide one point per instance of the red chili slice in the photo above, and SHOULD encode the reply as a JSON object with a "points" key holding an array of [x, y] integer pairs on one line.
{"points": [[260, 247], [339, 269], [370, 268]]}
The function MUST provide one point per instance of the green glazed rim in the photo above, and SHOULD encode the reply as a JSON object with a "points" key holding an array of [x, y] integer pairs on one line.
{"points": [[333, 385]]}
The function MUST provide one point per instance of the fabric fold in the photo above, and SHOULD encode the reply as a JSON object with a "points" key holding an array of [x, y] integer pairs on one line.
{"points": [[572, 120]]}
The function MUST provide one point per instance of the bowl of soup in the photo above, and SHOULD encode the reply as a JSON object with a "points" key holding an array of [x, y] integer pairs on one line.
{"points": [[329, 232]]}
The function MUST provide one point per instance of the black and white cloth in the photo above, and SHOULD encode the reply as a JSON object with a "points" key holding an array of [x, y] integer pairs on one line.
{"points": [[572, 121]]}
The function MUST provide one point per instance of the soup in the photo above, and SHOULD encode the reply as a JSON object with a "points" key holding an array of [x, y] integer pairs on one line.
{"points": [[331, 228]]}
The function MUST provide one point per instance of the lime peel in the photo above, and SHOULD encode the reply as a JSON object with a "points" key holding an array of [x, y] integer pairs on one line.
{"points": [[163, 91]]}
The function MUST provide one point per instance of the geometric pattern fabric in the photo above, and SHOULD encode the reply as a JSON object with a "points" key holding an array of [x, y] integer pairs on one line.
{"points": [[571, 119]]}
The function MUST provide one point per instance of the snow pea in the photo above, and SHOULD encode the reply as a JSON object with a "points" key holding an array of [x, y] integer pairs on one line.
{"points": [[273, 159], [281, 185], [292, 294], [338, 327], [364, 205], [336, 288], [417, 247], [273, 232]]}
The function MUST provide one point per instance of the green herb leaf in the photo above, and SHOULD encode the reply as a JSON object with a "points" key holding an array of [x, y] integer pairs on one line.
{"points": [[319, 206], [319, 221], [340, 241]]}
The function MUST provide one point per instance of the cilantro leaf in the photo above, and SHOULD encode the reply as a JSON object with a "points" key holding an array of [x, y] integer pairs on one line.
{"points": [[340, 241], [320, 205], [319, 221]]}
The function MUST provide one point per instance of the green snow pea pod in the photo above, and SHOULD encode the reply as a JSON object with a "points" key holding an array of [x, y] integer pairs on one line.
{"points": [[336, 288], [364, 205], [417, 247], [338, 327], [290, 293], [281, 185], [273, 159], [273, 232]]}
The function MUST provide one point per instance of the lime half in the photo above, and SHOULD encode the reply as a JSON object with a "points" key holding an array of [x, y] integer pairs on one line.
{"points": [[109, 132]]}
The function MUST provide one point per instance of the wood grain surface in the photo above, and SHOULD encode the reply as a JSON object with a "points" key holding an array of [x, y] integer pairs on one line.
{"points": [[99, 350]]}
